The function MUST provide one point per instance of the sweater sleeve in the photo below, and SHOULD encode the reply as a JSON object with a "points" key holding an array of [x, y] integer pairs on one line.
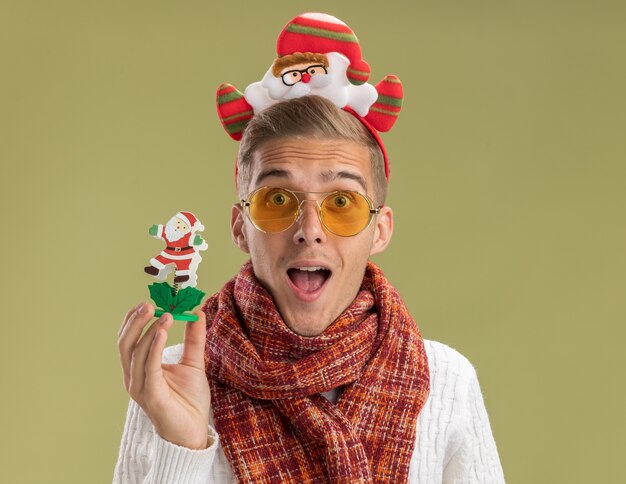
{"points": [[146, 458], [476, 460]]}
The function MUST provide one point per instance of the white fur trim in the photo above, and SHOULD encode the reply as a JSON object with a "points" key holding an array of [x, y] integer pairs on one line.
{"points": [[322, 17], [159, 234], [156, 263], [256, 95], [193, 267]]}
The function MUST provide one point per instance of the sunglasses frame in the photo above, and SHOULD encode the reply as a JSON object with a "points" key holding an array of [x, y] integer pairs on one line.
{"points": [[245, 205]]}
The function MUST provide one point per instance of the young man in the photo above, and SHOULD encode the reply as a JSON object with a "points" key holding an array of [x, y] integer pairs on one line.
{"points": [[306, 367]]}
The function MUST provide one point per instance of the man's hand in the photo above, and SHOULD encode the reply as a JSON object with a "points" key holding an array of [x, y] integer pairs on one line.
{"points": [[175, 397], [153, 230]]}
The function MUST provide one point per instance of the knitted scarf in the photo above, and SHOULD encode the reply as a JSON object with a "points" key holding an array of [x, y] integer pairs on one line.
{"points": [[274, 425]]}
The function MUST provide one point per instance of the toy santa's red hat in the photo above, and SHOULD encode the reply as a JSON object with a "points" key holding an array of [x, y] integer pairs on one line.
{"points": [[323, 33], [191, 220]]}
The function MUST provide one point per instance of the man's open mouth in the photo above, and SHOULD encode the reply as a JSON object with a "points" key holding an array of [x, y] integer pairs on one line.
{"points": [[308, 279]]}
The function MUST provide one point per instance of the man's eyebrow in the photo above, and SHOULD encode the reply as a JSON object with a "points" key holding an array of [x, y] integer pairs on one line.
{"points": [[277, 172], [326, 176], [331, 175]]}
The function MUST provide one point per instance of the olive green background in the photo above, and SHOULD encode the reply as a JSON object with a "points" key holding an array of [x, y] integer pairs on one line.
{"points": [[508, 184]]}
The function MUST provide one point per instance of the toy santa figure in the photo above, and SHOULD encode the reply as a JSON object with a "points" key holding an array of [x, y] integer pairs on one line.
{"points": [[182, 250], [317, 54]]}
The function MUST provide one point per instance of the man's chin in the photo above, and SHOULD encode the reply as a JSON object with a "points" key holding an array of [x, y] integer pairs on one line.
{"points": [[308, 323], [308, 318]]}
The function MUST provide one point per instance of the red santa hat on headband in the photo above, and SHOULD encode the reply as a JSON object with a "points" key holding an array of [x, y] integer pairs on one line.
{"points": [[322, 33]]}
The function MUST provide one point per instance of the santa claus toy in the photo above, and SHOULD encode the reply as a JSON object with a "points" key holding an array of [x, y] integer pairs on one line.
{"points": [[317, 54], [181, 256]]}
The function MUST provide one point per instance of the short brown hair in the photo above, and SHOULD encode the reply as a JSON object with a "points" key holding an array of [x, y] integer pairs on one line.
{"points": [[307, 117]]}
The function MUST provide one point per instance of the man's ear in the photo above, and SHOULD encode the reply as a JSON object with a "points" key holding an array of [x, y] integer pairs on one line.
{"points": [[383, 230], [237, 221]]}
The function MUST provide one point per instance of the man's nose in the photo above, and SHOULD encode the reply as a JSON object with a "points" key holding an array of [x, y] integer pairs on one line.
{"points": [[309, 225], [306, 78]]}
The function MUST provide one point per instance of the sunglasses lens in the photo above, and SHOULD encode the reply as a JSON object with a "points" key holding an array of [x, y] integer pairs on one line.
{"points": [[345, 213], [273, 209]]}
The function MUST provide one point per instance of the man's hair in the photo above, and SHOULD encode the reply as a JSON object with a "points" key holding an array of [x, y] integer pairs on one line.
{"points": [[308, 117]]}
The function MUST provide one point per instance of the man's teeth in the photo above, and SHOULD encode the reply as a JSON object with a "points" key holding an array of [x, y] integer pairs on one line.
{"points": [[311, 269]]}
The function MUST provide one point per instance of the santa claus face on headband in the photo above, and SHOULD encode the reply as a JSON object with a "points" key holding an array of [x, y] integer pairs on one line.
{"points": [[303, 78], [297, 75], [303, 73], [300, 74]]}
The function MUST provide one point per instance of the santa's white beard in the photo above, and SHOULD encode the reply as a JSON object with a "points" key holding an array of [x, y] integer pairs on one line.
{"points": [[172, 233], [297, 90]]}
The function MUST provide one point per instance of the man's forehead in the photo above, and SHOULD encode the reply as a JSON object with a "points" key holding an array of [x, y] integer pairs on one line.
{"points": [[319, 160], [312, 160], [324, 176]]}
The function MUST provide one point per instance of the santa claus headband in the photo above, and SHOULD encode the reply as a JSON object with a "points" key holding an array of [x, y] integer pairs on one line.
{"points": [[317, 54]]}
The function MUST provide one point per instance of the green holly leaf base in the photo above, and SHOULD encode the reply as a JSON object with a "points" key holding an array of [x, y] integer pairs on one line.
{"points": [[168, 300]]}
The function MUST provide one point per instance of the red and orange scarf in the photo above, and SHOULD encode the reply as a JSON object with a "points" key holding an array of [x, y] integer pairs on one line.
{"points": [[266, 382]]}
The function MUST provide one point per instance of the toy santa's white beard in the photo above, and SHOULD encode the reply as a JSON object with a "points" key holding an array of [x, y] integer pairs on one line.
{"points": [[172, 233], [333, 86]]}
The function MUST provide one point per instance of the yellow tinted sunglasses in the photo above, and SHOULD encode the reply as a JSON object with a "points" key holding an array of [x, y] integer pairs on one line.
{"points": [[342, 212]]}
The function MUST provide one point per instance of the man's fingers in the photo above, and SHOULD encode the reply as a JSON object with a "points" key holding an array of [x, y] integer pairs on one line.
{"points": [[130, 313], [154, 371], [129, 336], [194, 341], [133, 327], [126, 340], [141, 352], [125, 320]]}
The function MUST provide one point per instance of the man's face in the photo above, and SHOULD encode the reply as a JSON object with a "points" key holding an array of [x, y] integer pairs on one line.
{"points": [[311, 165]]}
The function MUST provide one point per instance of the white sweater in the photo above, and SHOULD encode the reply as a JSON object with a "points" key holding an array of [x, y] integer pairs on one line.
{"points": [[454, 443]]}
